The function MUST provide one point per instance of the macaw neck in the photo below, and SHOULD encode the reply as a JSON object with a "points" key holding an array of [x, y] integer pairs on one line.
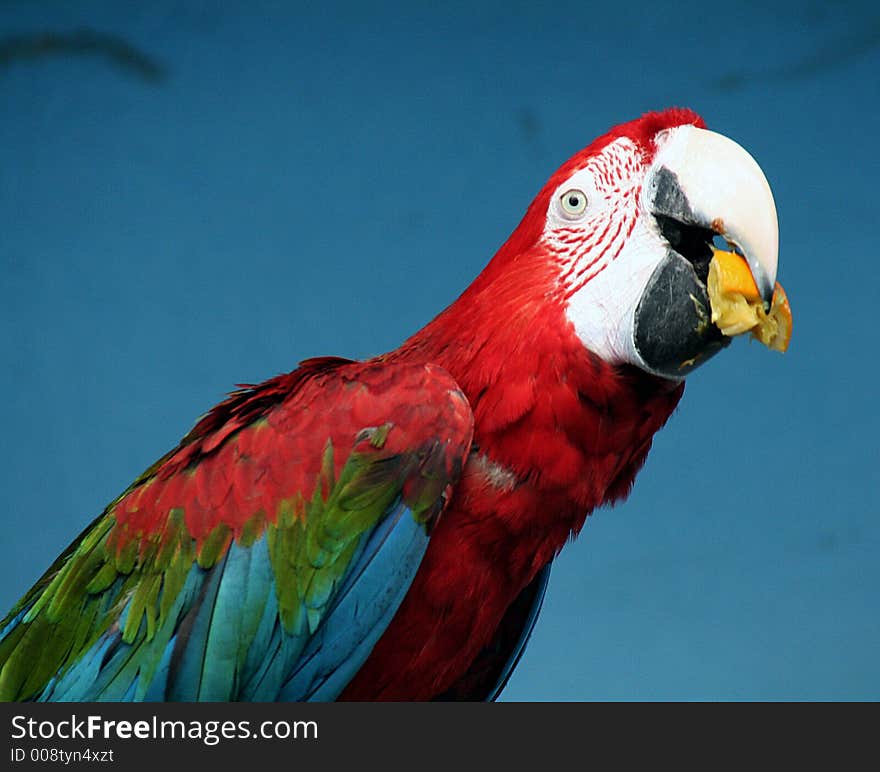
{"points": [[546, 410]]}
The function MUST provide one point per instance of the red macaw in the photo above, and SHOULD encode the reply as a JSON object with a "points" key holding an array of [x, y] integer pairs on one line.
{"points": [[384, 529]]}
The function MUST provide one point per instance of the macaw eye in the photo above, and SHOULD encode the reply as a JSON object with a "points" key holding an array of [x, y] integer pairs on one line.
{"points": [[573, 202]]}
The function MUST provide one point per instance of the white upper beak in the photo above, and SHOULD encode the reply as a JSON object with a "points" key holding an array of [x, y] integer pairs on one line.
{"points": [[723, 189]]}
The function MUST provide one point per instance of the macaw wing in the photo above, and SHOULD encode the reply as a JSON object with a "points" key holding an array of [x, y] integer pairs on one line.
{"points": [[259, 560]]}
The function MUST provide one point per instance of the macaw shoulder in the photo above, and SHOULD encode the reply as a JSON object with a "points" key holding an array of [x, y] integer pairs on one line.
{"points": [[267, 444]]}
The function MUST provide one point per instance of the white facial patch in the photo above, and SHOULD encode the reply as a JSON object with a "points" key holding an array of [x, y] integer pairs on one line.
{"points": [[607, 254], [603, 310]]}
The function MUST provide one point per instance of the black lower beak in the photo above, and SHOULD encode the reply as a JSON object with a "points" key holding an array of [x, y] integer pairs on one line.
{"points": [[673, 329]]}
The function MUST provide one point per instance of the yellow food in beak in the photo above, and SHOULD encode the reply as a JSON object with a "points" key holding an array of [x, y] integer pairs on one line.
{"points": [[737, 306]]}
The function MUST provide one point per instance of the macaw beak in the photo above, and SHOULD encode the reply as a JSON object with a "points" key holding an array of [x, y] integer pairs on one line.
{"points": [[703, 185], [707, 180]]}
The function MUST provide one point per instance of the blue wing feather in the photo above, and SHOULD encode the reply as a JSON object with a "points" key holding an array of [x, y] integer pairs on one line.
{"points": [[364, 607], [200, 661]]}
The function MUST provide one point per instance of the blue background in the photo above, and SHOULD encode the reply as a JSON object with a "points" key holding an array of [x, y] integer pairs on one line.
{"points": [[302, 181]]}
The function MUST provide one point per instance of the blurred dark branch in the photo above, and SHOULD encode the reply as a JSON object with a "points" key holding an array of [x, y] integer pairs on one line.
{"points": [[828, 57], [117, 51]]}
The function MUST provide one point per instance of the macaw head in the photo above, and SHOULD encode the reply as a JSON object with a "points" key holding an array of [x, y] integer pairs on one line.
{"points": [[631, 224]]}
